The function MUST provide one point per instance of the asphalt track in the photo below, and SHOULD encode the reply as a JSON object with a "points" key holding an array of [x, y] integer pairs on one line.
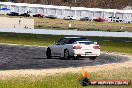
{"points": [[69, 32], [14, 57]]}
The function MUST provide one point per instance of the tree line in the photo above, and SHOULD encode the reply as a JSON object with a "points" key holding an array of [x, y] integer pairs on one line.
{"points": [[111, 4]]}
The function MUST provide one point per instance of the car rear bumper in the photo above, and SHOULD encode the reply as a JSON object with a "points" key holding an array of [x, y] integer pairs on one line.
{"points": [[86, 53]]}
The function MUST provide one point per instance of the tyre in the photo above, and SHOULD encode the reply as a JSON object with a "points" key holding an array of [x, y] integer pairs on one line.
{"points": [[92, 58], [48, 53], [76, 57], [85, 81], [66, 54]]}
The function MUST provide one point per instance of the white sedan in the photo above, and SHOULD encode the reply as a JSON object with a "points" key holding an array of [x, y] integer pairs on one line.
{"points": [[74, 47], [70, 18]]}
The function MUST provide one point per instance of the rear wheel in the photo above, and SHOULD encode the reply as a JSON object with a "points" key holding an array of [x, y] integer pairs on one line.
{"points": [[76, 57], [48, 53], [66, 54], [92, 58]]}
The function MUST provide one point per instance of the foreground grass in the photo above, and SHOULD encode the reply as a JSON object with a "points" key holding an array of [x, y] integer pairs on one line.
{"points": [[69, 80], [107, 43]]}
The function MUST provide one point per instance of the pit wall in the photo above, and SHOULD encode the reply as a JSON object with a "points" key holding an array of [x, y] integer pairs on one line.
{"points": [[16, 23]]}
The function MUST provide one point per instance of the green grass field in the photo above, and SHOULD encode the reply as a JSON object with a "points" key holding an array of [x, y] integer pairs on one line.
{"points": [[81, 25], [108, 44], [68, 80]]}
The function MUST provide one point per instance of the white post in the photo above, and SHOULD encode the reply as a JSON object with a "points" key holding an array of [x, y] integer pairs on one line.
{"points": [[70, 25]]}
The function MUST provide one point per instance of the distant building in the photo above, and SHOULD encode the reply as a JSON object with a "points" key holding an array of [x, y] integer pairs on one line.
{"points": [[64, 11]]}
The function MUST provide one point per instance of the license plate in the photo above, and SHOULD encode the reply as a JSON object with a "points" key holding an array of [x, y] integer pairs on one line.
{"points": [[87, 53]]}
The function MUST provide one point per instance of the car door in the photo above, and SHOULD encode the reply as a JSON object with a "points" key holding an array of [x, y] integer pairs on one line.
{"points": [[69, 46], [58, 47], [66, 44]]}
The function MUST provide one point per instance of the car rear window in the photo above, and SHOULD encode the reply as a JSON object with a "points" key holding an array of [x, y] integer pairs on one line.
{"points": [[80, 39], [86, 43]]}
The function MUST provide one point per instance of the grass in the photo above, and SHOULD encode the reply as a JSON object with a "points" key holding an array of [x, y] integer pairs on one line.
{"points": [[42, 23], [68, 80], [108, 44], [81, 25]]}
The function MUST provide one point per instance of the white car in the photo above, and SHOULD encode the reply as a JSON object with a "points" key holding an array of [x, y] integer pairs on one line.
{"points": [[70, 18], [75, 47]]}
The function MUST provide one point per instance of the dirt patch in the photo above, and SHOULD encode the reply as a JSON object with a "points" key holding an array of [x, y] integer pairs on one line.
{"points": [[48, 72]]}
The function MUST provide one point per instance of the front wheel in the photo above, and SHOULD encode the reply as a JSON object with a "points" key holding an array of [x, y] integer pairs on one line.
{"points": [[48, 53], [66, 54], [76, 57], [85, 81]]}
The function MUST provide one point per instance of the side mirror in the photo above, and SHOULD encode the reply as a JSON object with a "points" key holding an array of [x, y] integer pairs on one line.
{"points": [[95, 43]]}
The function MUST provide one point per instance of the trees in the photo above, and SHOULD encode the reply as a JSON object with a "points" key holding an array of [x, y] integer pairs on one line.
{"points": [[113, 4]]}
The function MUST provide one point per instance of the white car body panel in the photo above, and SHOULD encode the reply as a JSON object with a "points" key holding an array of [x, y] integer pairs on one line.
{"points": [[85, 50], [70, 18]]}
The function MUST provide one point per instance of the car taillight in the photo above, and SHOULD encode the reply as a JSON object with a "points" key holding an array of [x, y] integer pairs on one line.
{"points": [[96, 47], [77, 47]]}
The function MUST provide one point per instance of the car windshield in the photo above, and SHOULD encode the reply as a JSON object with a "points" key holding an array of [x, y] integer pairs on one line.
{"points": [[80, 39]]}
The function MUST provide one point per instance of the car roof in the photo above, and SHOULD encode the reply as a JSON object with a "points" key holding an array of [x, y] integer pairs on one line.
{"points": [[72, 37]]}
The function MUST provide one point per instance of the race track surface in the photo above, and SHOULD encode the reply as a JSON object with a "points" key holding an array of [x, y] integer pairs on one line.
{"points": [[14, 57]]}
